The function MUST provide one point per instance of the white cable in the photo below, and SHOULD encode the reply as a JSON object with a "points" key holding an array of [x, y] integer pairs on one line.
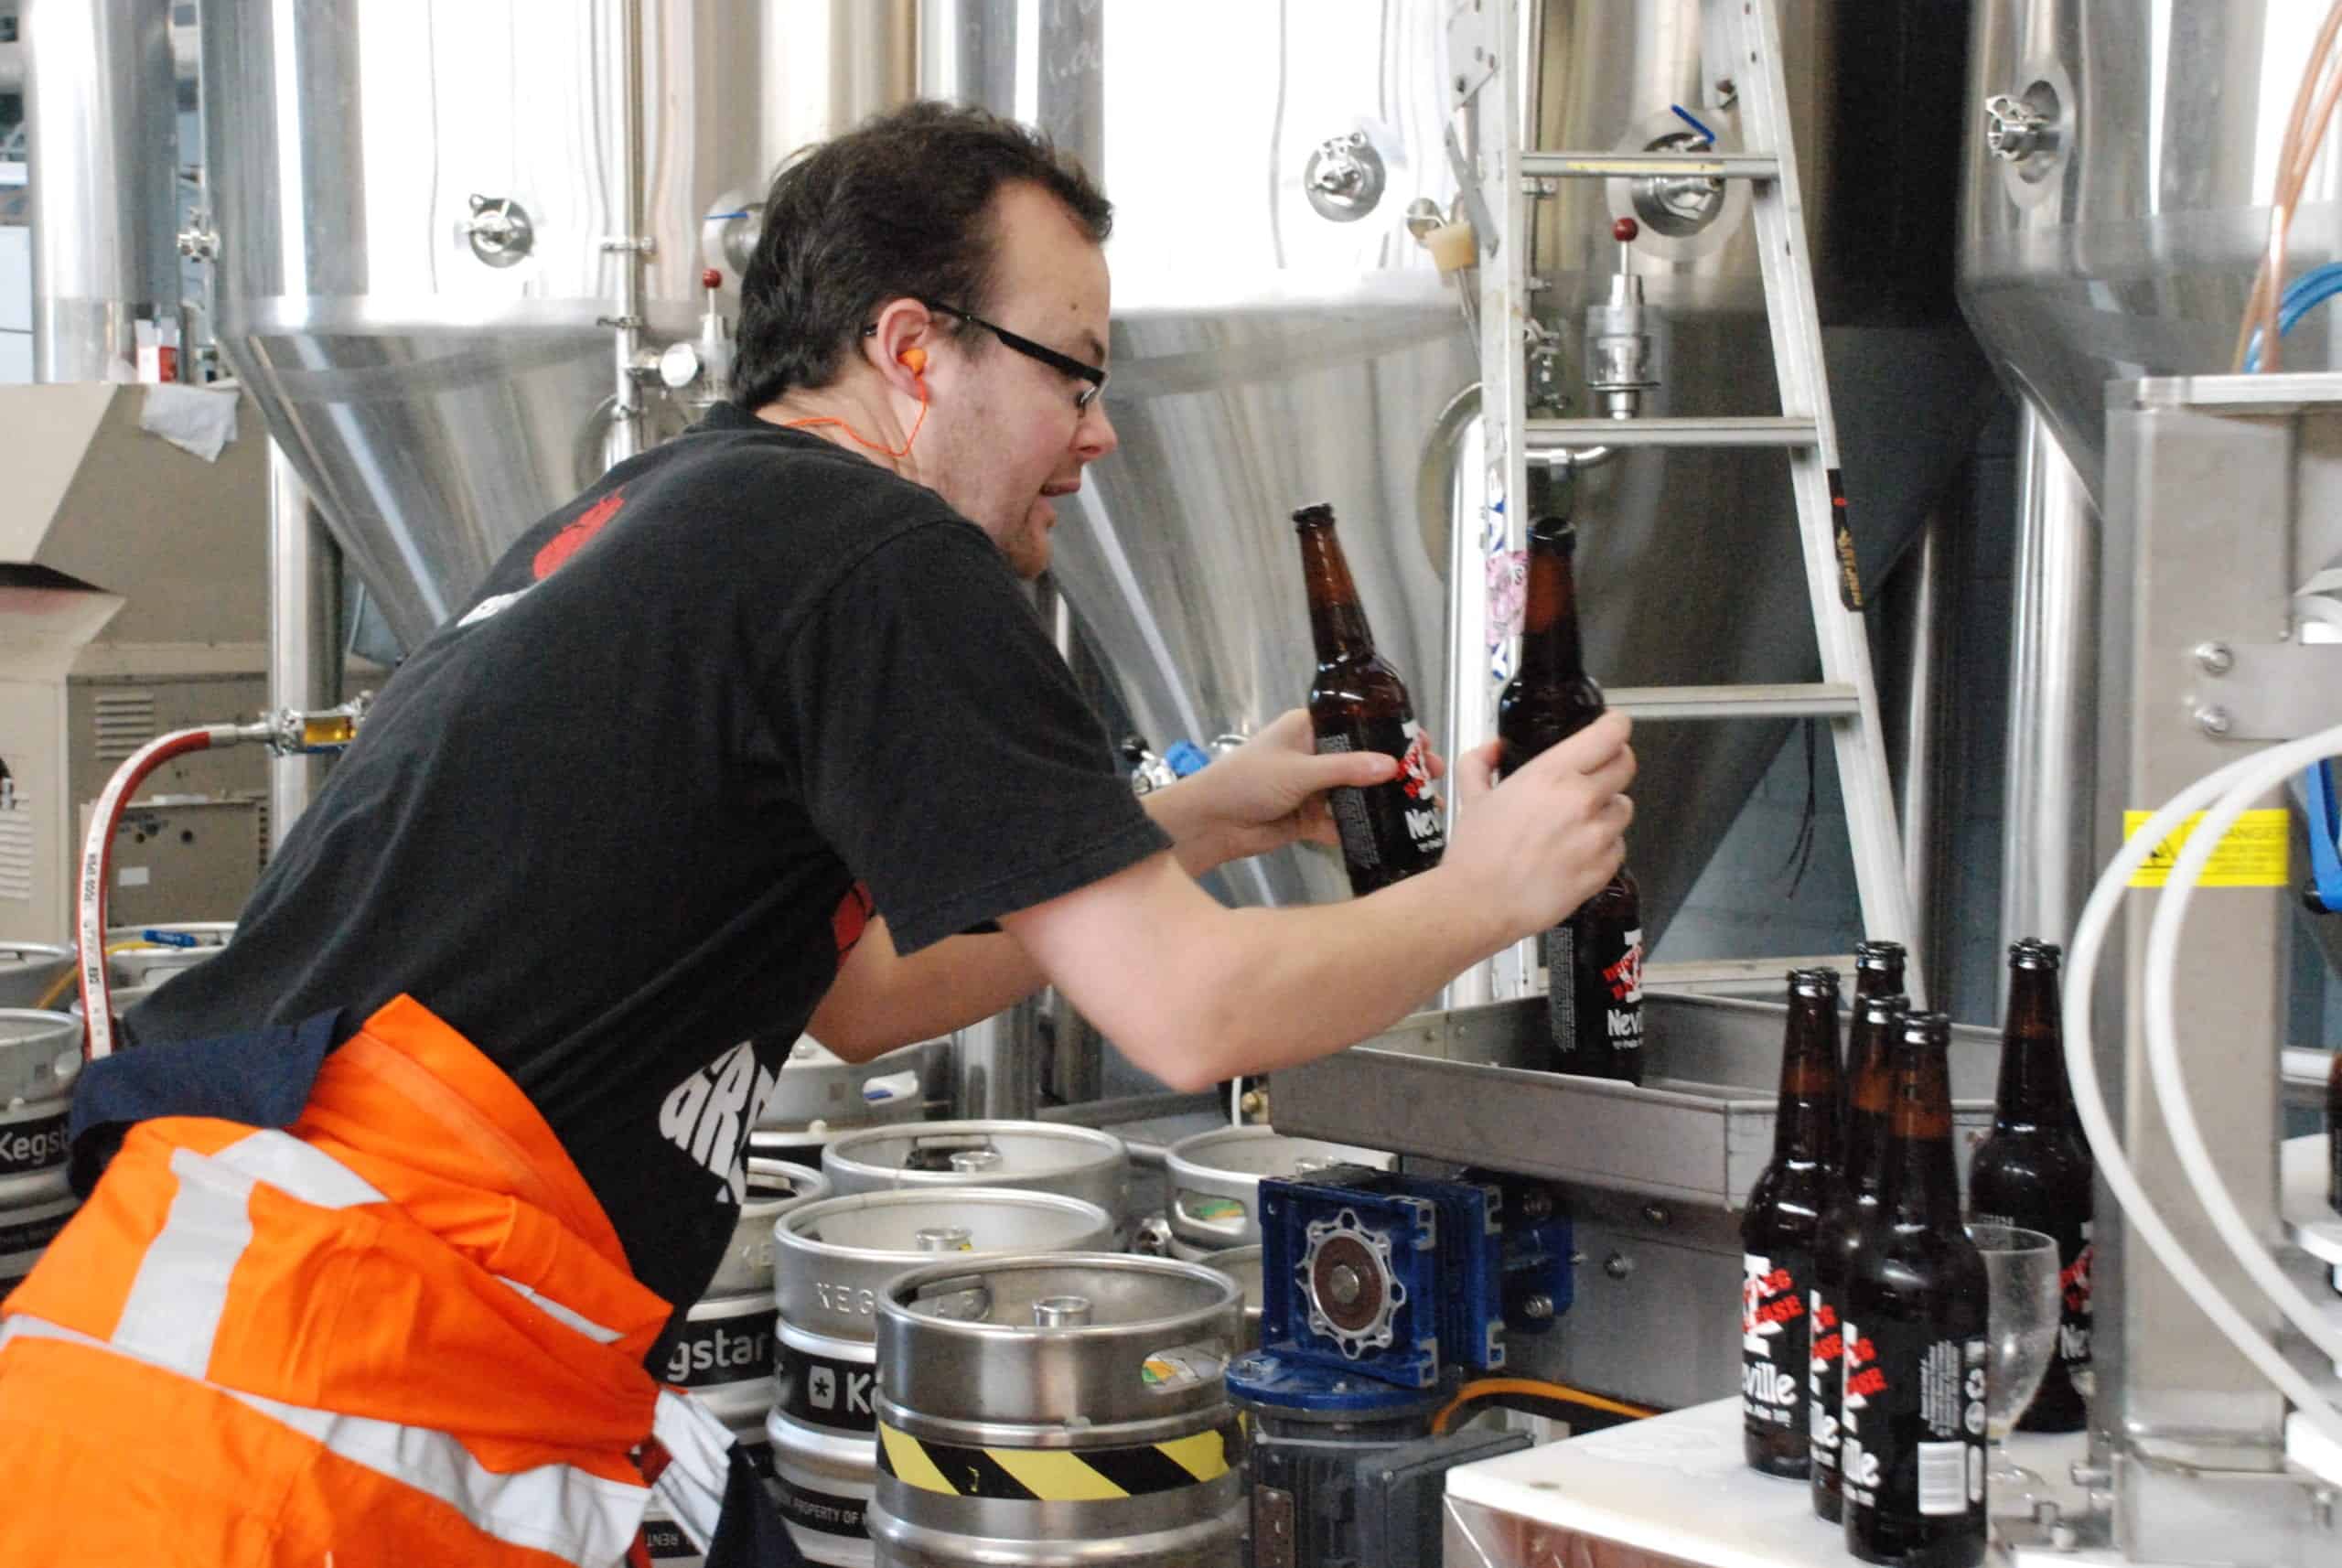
{"points": [[2263, 772], [2090, 1103]]}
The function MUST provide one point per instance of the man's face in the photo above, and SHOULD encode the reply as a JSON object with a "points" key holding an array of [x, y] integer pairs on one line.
{"points": [[1013, 437]]}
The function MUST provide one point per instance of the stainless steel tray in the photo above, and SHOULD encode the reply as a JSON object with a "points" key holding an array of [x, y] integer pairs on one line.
{"points": [[1454, 1086]]}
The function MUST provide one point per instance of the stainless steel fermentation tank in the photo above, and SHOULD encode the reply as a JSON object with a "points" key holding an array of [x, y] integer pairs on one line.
{"points": [[2113, 233], [2117, 237], [422, 221], [2111, 236]]}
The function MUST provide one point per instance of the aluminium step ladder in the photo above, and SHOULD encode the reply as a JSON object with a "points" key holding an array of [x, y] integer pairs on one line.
{"points": [[1500, 180]]}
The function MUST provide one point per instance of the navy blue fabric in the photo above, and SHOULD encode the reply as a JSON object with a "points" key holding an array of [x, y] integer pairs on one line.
{"points": [[260, 1077], [749, 1532]]}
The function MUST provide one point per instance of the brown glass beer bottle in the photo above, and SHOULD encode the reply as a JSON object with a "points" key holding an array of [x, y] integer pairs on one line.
{"points": [[1389, 831], [1777, 1233], [2035, 1169], [1911, 1435], [1863, 1154], [1593, 959], [1878, 971], [2334, 1135]]}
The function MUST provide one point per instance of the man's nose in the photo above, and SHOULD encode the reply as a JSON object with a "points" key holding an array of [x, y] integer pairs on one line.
{"points": [[1095, 436]]}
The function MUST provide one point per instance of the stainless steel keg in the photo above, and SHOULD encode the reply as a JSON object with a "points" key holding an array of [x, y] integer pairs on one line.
{"points": [[722, 1348], [1039, 1156], [1051, 1410], [40, 1056], [33, 1208], [775, 1186], [834, 1261], [1213, 1180], [135, 958], [1242, 1264], [30, 973]]}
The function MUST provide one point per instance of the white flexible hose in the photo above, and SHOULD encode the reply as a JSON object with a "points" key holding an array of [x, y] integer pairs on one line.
{"points": [[2262, 772], [2090, 1103], [97, 852]]}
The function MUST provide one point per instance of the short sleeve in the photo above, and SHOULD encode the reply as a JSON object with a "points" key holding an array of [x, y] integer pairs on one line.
{"points": [[947, 754]]}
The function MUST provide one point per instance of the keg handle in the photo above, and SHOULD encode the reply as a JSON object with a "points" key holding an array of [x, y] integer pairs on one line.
{"points": [[963, 1298], [933, 1155], [1179, 1368], [1213, 1211]]}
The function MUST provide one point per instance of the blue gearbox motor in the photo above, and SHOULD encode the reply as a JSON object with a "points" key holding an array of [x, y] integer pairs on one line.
{"points": [[1403, 1278]]}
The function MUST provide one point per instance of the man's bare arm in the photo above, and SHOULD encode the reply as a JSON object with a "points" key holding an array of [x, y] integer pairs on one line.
{"points": [[1195, 992], [882, 1000], [1267, 794]]}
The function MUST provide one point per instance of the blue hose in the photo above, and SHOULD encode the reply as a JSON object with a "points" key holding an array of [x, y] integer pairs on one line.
{"points": [[2304, 294]]}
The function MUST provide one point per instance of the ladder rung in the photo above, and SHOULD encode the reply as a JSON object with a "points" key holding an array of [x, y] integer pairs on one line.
{"points": [[1551, 434], [1606, 166], [1793, 700]]}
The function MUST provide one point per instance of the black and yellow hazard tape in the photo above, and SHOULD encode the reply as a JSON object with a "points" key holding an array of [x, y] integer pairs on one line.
{"points": [[1059, 1475]]}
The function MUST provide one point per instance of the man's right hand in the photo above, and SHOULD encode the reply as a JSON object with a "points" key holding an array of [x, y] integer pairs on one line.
{"points": [[1195, 992], [1534, 847]]}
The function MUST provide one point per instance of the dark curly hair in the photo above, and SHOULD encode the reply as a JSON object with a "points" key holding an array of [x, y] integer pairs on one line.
{"points": [[896, 206]]}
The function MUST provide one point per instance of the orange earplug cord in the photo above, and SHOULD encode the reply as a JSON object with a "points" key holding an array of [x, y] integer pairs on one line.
{"points": [[916, 359]]}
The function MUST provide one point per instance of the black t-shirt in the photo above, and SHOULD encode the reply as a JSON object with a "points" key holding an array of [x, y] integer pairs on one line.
{"points": [[619, 816]]}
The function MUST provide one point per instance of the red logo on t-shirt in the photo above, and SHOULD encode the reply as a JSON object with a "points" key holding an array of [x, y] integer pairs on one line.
{"points": [[852, 915], [572, 539]]}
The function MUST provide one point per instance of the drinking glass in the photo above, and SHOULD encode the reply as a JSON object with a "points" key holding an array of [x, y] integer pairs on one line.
{"points": [[2021, 1326]]}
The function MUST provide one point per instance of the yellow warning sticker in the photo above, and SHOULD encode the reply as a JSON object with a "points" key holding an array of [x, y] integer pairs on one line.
{"points": [[2256, 854]]}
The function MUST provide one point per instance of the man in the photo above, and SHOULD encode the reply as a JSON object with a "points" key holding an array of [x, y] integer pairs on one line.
{"points": [[758, 735]]}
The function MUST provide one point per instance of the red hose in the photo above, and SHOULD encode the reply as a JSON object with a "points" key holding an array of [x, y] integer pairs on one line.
{"points": [[97, 855]]}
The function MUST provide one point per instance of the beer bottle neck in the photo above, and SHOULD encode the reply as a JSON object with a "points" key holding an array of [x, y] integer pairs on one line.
{"points": [[1869, 1091], [1337, 620], [1880, 979], [2033, 1092], [1806, 1128], [1551, 647], [1922, 1183]]}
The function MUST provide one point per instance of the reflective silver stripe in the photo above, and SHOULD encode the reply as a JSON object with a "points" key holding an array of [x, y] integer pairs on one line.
{"points": [[569, 1316], [298, 1170], [698, 1448], [172, 1314], [578, 1517]]}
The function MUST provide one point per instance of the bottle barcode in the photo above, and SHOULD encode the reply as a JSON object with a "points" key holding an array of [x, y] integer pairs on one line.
{"points": [[1943, 1477]]}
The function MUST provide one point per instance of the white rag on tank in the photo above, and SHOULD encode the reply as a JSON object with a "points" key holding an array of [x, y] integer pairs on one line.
{"points": [[194, 419]]}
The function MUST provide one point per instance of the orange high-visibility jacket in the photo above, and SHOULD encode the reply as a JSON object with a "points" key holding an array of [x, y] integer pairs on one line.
{"points": [[399, 1330]]}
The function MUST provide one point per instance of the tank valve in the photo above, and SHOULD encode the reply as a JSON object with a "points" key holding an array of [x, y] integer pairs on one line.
{"points": [[1621, 354], [701, 371], [2017, 128], [1061, 1312], [498, 230], [1344, 178]]}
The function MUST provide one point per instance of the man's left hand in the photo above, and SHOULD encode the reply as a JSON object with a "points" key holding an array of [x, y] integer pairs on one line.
{"points": [[1271, 791]]}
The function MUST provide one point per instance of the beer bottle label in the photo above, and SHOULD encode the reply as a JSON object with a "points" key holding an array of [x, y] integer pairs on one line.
{"points": [[1561, 996], [1397, 825], [1911, 1430], [1622, 996], [2074, 1318], [1593, 992], [1773, 1342], [1825, 1350]]}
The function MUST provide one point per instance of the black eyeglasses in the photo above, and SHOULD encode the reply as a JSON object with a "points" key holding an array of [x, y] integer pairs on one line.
{"points": [[1065, 364]]}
